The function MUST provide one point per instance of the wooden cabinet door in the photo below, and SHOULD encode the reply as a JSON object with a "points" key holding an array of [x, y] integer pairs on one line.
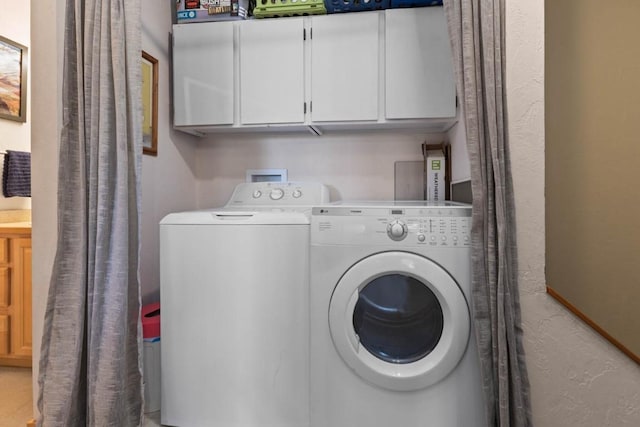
{"points": [[419, 77], [272, 71], [344, 67], [20, 324], [203, 74], [5, 298], [15, 300]]}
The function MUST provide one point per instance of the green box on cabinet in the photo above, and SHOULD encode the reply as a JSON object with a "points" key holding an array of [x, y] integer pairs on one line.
{"points": [[278, 8]]}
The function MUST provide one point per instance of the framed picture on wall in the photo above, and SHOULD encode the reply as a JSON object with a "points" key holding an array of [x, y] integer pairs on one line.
{"points": [[149, 104], [13, 80]]}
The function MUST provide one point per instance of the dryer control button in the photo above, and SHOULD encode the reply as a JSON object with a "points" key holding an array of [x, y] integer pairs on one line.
{"points": [[257, 194], [397, 230], [421, 237], [296, 194], [276, 194]]}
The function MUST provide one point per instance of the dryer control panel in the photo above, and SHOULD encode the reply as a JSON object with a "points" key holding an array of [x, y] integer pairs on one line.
{"points": [[442, 226]]}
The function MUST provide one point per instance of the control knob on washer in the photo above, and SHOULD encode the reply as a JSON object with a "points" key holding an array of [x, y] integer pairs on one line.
{"points": [[397, 230], [276, 194]]}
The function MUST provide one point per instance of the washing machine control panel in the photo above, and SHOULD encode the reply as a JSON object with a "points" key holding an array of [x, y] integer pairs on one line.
{"points": [[278, 194], [442, 227]]}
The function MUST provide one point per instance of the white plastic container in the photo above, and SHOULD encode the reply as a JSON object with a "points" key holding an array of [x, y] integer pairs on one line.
{"points": [[150, 317], [151, 375]]}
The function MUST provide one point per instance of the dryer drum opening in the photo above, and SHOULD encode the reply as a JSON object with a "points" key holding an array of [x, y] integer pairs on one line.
{"points": [[398, 319]]}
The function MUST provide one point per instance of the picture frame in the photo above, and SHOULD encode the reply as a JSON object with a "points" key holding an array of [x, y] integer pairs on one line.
{"points": [[149, 104], [14, 63]]}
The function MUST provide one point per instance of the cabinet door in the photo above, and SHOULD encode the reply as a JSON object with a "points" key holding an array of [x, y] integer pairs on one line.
{"points": [[5, 299], [21, 297], [271, 71], [344, 67], [203, 74], [419, 72], [5, 302]]}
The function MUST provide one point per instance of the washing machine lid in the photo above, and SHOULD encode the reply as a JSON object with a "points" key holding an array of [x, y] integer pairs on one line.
{"points": [[399, 320], [267, 216]]}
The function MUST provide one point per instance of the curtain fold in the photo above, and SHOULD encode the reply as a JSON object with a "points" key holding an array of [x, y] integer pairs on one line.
{"points": [[90, 366], [477, 32]]}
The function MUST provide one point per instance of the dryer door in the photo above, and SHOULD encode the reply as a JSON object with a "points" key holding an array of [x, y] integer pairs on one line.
{"points": [[399, 320]]}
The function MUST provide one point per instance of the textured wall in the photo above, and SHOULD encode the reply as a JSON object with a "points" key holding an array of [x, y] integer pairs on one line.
{"points": [[577, 378]]}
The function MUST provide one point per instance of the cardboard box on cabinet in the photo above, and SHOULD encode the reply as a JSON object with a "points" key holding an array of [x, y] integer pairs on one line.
{"points": [[435, 176], [189, 11]]}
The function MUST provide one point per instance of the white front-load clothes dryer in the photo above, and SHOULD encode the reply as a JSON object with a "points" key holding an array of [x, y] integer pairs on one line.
{"points": [[391, 336], [234, 296]]}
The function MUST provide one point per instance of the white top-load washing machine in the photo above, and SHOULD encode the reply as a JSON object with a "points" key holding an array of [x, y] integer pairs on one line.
{"points": [[234, 296], [391, 335]]}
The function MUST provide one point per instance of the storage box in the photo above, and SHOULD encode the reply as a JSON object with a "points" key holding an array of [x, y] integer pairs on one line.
{"points": [[211, 10], [435, 176], [278, 8], [337, 6]]}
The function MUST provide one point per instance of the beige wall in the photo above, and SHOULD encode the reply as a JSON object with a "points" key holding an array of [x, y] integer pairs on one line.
{"points": [[168, 180], [14, 25], [356, 166], [593, 155], [47, 30]]}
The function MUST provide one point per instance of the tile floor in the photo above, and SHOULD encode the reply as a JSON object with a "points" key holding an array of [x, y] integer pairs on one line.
{"points": [[152, 419], [16, 402]]}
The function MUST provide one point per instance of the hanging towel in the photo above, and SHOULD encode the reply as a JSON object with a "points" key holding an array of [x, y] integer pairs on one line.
{"points": [[16, 176]]}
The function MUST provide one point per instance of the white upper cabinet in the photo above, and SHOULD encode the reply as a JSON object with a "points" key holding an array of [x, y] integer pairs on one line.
{"points": [[344, 67], [419, 72], [388, 69], [271, 71], [203, 73]]}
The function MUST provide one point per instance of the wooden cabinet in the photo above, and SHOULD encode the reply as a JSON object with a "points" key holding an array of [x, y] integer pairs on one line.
{"points": [[15, 298]]}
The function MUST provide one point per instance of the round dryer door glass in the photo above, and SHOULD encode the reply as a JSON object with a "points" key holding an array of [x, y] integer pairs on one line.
{"points": [[398, 319]]}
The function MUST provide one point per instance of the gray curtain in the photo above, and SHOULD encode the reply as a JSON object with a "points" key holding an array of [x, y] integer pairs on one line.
{"points": [[90, 364], [476, 28]]}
